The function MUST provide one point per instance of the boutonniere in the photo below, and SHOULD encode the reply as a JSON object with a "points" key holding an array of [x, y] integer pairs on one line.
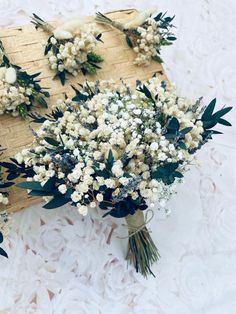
{"points": [[145, 34], [70, 47], [18, 89], [120, 150]]}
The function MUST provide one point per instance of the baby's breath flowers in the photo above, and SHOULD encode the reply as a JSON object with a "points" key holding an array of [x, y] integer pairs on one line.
{"points": [[119, 148], [144, 34], [70, 47], [18, 89]]}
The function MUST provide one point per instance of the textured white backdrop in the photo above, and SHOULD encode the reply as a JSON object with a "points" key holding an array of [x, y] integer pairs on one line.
{"points": [[63, 265]]}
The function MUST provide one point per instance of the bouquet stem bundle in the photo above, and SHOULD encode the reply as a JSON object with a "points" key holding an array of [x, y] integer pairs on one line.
{"points": [[39, 23], [102, 19], [142, 252]]}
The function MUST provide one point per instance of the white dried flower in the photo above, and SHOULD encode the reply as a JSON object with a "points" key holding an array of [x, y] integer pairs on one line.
{"points": [[10, 75]]}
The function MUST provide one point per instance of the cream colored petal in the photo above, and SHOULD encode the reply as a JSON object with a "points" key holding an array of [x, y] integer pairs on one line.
{"points": [[140, 18], [10, 75]]}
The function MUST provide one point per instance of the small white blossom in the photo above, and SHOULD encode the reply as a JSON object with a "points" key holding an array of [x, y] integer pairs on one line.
{"points": [[62, 188]]}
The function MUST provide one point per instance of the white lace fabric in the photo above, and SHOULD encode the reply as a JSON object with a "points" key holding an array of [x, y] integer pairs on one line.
{"points": [[62, 263]]}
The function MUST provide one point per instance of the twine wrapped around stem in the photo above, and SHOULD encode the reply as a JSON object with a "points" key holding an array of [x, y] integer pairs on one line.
{"points": [[142, 252], [38, 22], [102, 19]]}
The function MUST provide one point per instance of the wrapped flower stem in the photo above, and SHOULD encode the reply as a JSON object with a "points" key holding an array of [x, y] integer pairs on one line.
{"points": [[142, 252], [144, 34], [70, 47], [103, 19], [18, 89], [38, 22]]}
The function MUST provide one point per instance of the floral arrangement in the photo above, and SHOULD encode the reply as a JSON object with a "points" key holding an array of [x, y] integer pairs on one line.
{"points": [[120, 149], [70, 47], [18, 89], [145, 34]]}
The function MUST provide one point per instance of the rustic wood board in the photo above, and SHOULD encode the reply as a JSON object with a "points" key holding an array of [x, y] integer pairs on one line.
{"points": [[24, 46]]}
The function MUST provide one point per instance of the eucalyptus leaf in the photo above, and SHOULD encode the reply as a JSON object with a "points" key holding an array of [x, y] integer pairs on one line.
{"points": [[30, 185], [56, 202], [3, 253], [51, 141], [209, 110]]}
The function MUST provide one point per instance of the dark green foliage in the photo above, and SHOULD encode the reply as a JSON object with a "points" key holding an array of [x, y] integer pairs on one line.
{"points": [[143, 89], [36, 118], [2, 252], [54, 116], [15, 170], [57, 201], [129, 41], [61, 76], [49, 189], [167, 173], [110, 161], [106, 172], [90, 66], [93, 57], [79, 97], [121, 209], [99, 36], [52, 141], [173, 133], [157, 58], [211, 119]]}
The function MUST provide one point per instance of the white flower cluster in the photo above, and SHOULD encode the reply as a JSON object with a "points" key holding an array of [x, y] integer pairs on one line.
{"points": [[11, 94], [122, 122], [3, 199], [148, 42], [71, 53]]}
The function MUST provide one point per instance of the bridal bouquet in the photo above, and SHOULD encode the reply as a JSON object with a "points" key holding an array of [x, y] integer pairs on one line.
{"points": [[120, 149], [18, 89], [145, 34], [70, 47]]}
